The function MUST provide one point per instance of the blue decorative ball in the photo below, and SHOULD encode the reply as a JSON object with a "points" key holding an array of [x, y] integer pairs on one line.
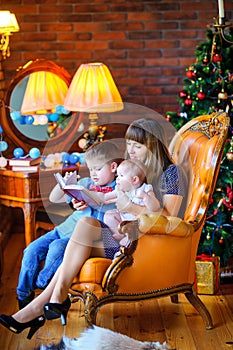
{"points": [[74, 158], [65, 111], [1, 129], [15, 115], [34, 153], [18, 152], [59, 109], [29, 119], [54, 117], [3, 146], [82, 158], [65, 158], [21, 120]]}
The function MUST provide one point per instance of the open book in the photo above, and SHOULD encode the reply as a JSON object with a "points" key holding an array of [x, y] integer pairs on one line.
{"points": [[80, 193]]}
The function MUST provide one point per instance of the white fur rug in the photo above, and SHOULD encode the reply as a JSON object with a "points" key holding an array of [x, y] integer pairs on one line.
{"points": [[97, 338]]}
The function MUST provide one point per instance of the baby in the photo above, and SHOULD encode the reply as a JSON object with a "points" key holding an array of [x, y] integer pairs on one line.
{"points": [[131, 182]]}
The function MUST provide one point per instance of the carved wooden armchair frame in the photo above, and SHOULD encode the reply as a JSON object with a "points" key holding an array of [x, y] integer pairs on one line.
{"points": [[136, 274]]}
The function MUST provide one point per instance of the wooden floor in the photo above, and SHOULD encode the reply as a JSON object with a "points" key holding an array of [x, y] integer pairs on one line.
{"points": [[178, 324]]}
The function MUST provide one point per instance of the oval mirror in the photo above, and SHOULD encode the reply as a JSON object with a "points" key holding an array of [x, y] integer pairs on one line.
{"points": [[34, 111]]}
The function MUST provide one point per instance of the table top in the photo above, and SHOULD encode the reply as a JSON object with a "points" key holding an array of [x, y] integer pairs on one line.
{"points": [[33, 174]]}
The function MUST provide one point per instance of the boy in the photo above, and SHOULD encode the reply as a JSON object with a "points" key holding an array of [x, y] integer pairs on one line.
{"points": [[49, 248]]}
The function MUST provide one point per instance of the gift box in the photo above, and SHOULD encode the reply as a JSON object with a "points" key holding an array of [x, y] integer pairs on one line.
{"points": [[207, 274]]}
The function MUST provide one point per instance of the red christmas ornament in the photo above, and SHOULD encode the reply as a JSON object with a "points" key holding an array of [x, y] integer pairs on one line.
{"points": [[217, 57], [189, 74], [183, 94], [221, 240], [194, 75], [201, 95], [230, 77], [188, 102]]}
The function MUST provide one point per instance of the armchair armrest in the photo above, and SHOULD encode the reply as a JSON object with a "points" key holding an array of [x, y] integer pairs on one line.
{"points": [[155, 223], [151, 224]]}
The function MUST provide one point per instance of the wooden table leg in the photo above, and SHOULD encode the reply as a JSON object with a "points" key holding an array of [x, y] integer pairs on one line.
{"points": [[29, 211]]}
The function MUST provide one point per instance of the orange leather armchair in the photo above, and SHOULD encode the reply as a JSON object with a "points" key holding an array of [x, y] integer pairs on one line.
{"points": [[161, 258]]}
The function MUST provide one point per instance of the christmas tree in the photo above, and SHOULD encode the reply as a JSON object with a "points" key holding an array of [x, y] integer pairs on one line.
{"points": [[208, 87]]}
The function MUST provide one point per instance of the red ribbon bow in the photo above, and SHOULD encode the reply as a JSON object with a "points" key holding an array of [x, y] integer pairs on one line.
{"points": [[205, 257], [104, 189]]}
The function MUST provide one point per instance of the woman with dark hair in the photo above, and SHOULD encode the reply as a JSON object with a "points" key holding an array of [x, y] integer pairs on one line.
{"points": [[92, 238]]}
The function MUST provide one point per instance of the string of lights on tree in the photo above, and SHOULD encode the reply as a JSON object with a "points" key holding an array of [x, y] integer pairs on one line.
{"points": [[208, 87]]}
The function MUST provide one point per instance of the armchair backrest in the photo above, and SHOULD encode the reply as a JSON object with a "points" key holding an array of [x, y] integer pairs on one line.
{"points": [[198, 148]]}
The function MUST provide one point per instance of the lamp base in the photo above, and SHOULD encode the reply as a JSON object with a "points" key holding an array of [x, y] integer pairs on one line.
{"points": [[94, 134]]}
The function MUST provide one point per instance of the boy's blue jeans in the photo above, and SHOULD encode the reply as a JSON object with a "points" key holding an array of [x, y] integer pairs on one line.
{"points": [[48, 249]]}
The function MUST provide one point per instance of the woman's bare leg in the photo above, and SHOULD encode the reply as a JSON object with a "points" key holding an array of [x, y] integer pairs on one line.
{"points": [[84, 242]]}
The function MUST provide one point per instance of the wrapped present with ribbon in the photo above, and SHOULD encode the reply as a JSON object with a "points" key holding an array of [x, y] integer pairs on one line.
{"points": [[207, 274]]}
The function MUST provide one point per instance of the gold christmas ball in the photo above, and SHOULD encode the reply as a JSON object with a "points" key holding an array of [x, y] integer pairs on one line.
{"points": [[222, 95], [229, 155]]}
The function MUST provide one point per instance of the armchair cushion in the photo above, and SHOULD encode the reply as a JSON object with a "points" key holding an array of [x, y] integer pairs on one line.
{"points": [[93, 271]]}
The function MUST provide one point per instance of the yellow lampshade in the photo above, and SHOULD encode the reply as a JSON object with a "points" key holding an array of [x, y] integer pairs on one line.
{"points": [[44, 91], [93, 90], [8, 22]]}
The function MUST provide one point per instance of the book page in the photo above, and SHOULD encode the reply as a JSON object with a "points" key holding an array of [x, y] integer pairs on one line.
{"points": [[80, 193], [71, 180]]}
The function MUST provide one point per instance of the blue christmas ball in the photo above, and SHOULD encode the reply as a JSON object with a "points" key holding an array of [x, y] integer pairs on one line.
{"points": [[82, 158], [34, 153], [59, 109], [18, 152], [74, 158], [3, 146], [65, 111], [29, 119], [53, 117], [1, 129], [21, 120], [65, 158], [15, 115]]}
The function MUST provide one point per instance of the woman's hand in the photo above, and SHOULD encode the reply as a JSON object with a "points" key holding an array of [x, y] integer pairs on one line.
{"points": [[79, 205], [149, 200]]}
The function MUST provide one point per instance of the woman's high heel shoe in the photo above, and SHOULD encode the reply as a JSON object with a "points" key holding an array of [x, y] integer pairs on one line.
{"points": [[56, 310], [17, 327]]}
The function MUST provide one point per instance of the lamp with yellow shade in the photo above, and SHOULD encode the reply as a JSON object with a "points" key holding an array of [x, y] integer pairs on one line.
{"points": [[93, 91], [44, 91], [43, 101], [8, 25]]}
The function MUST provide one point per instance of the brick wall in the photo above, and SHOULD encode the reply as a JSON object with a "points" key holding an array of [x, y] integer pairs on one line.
{"points": [[147, 44]]}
